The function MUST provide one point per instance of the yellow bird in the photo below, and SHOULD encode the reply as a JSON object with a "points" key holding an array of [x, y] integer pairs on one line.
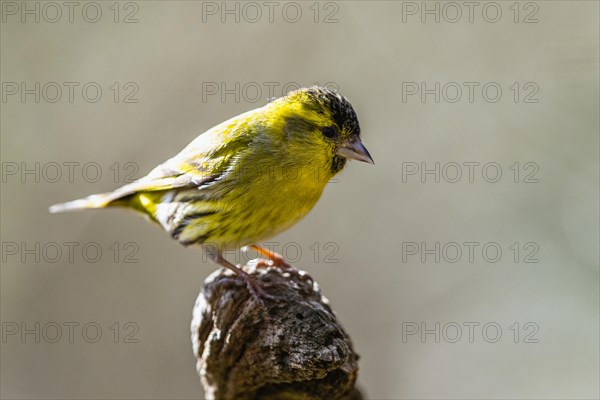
{"points": [[248, 178]]}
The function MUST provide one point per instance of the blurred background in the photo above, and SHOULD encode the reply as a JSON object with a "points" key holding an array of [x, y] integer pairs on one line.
{"points": [[464, 263]]}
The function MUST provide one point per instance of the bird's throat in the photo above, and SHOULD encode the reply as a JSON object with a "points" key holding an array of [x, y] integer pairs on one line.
{"points": [[337, 164]]}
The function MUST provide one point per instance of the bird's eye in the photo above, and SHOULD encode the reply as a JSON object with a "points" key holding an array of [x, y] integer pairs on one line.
{"points": [[329, 132]]}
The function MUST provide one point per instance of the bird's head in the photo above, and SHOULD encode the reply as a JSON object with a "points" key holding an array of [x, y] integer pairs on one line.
{"points": [[321, 124]]}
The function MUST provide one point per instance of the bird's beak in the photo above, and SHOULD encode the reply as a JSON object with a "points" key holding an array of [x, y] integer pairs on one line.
{"points": [[355, 150]]}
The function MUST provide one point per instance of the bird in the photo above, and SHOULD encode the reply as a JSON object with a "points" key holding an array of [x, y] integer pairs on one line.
{"points": [[248, 178]]}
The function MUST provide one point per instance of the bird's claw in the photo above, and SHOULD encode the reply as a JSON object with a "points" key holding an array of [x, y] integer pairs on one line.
{"points": [[255, 288], [300, 275]]}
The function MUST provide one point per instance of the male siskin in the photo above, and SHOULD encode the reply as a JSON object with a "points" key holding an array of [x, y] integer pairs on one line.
{"points": [[248, 178]]}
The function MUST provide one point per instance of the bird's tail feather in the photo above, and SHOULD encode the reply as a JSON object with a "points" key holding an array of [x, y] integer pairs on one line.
{"points": [[93, 201]]}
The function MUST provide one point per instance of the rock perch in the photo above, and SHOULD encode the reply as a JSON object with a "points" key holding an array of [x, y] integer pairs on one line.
{"points": [[293, 349]]}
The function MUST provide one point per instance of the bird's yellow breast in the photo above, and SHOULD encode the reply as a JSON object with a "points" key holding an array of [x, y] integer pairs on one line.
{"points": [[247, 206]]}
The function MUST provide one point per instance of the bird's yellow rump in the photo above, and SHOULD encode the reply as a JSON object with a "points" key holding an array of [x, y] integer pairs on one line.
{"points": [[248, 178]]}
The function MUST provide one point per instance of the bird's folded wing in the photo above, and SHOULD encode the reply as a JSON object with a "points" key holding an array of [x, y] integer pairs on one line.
{"points": [[165, 178]]}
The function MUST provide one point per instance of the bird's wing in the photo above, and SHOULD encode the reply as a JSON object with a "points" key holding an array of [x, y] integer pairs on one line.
{"points": [[206, 159]]}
